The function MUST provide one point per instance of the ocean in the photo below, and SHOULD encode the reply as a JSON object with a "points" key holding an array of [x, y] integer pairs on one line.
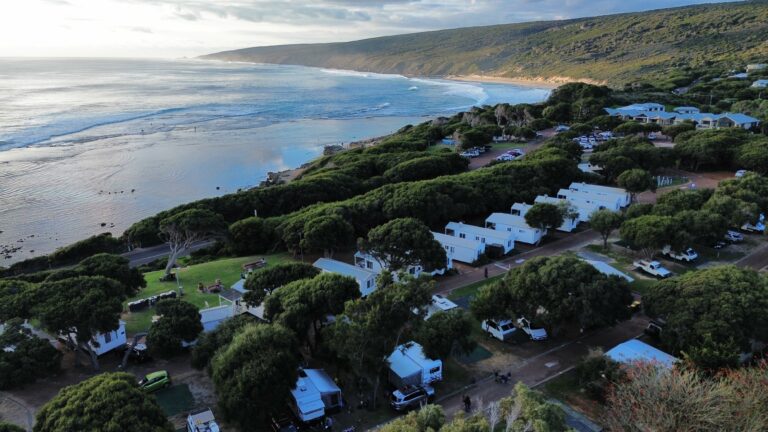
{"points": [[93, 145]]}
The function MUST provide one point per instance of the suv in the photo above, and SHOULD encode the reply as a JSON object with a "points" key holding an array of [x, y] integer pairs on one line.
{"points": [[535, 332], [155, 381], [500, 329], [411, 397]]}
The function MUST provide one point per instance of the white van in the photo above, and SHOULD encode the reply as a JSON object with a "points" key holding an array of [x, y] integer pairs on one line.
{"points": [[500, 329]]}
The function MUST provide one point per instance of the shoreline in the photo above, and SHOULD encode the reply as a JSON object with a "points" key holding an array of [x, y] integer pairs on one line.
{"points": [[535, 82]]}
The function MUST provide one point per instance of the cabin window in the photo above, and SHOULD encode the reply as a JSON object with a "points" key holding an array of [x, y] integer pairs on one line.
{"points": [[434, 370], [462, 235], [369, 264], [108, 337]]}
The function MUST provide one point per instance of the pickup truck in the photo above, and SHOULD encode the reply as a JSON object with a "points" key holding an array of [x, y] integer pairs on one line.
{"points": [[653, 268], [687, 255]]}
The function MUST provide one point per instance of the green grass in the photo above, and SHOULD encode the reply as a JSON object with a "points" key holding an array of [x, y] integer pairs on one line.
{"points": [[563, 387], [471, 289], [228, 270], [642, 286], [175, 400]]}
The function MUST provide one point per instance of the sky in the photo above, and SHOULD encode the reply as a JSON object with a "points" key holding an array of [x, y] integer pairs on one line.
{"points": [[186, 28]]}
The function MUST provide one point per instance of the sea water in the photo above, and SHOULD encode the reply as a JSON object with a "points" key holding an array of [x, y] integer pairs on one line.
{"points": [[93, 145]]}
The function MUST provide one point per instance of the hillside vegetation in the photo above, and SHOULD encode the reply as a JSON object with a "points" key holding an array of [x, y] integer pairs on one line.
{"points": [[615, 49]]}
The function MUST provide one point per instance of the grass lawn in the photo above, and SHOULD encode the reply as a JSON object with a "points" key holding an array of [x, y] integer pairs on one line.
{"points": [[566, 389], [642, 286], [228, 270], [471, 289]]}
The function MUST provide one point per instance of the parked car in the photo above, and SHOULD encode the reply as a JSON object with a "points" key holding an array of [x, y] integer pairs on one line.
{"points": [[155, 381], [734, 237], [562, 128], [653, 268], [719, 245], [411, 397], [741, 173], [505, 158], [469, 154], [283, 423], [756, 227], [687, 255], [138, 353], [652, 136], [535, 332], [499, 329]]}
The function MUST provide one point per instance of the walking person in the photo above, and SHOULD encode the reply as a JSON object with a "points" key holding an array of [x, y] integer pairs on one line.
{"points": [[467, 403], [485, 272]]}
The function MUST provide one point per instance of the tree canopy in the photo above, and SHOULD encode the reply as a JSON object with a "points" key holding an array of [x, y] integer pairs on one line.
{"points": [[179, 322], [635, 181], [446, 333], [605, 222], [555, 291], [210, 342], [262, 282], [649, 233], [326, 234], [183, 229], [109, 402], [25, 357], [711, 314], [252, 382], [544, 216], [404, 242]]}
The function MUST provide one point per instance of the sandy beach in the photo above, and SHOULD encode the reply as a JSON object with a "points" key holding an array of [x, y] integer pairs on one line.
{"points": [[537, 82]]}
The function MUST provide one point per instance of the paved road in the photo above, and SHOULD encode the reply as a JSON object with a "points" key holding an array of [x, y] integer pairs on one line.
{"points": [[756, 260], [143, 256]]}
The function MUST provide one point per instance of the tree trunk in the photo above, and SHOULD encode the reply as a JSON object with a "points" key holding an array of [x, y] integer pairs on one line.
{"points": [[375, 390], [172, 260], [93, 357], [605, 241]]}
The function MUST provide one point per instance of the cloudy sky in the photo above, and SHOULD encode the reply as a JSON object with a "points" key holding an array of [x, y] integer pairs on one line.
{"points": [[176, 28]]}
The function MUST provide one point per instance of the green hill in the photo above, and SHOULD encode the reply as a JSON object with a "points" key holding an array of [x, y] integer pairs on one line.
{"points": [[614, 49]]}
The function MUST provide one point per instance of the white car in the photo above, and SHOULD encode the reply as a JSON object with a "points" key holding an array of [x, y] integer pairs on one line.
{"points": [[653, 268], [757, 227], [741, 173], [499, 329], [687, 255], [534, 332], [505, 158], [562, 128], [734, 237], [652, 136], [469, 154]]}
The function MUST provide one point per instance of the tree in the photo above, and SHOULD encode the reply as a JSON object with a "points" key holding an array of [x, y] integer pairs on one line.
{"points": [[445, 333], [80, 308], [261, 283], [597, 373], [113, 267], [754, 156], [629, 128], [605, 222], [16, 298], [252, 382], [429, 418], [10, 427], [536, 412], [25, 357], [683, 399], [109, 402], [556, 291], [636, 181], [544, 216], [179, 322], [649, 233], [186, 228], [302, 305], [371, 328], [735, 211], [711, 315], [401, 243], [560, 112], [210, 342], [327, 233], [674, 130]]}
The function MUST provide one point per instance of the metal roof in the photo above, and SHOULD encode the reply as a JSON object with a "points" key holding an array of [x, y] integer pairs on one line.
{"points": [[344, 269], [445, 239], [502, 236], [634, 350]]}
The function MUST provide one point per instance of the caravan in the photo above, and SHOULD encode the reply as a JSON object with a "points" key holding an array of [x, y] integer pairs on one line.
{"points": [[315, 395]]}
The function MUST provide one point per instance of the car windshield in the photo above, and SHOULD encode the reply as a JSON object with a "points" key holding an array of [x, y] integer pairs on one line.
{"points": [[506, 327]]}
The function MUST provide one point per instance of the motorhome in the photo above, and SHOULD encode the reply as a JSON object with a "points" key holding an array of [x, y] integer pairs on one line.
{"points": [[315, 395], [202, 421]]}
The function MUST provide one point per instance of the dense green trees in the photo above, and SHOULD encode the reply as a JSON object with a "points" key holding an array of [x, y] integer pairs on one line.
{"points": [[109, 402], [9, 427], [179, 322], [636, 181], [619, 155], [556, 291], [605, 222], [369, 329], [326, 234], [210, 342], [446, 333], [597, 373], [25, 357], [754, 156], [544, 216], [401, 243], [650, 233], [260, 283], [252, 382], [711, 315]]}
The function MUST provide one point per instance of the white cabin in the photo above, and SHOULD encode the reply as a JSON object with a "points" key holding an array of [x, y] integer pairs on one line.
{"points": [[366, 279], [368, 262], [409, 366], [619, 194], [315, 395], [516, 225], [459, 249], [108, 341], [504, 240], [569, 224], [588, 203]]}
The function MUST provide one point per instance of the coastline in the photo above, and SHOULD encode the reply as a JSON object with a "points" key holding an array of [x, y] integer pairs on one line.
{"points": [[536, 82]]}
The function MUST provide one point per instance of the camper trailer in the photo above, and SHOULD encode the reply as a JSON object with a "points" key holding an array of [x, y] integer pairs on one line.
{"points": [[408, 366], [202, 421], [315, 395]]}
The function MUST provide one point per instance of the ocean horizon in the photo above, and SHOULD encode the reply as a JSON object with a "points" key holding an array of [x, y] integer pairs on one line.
{"points": [[94, 145]]}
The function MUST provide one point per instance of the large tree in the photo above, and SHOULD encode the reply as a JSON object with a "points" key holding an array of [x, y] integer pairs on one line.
{"points": [[649, 233], [446, 333], [754, 155], [636, 181], [404, 242], [186, 228], [302, 305], [16, 299], [10, 427], [210, 342], [327, 233], [255, 373], [605, 222], [371, 328], [556, 291], [261, 283], [25, 357], [711, 315], [179, 322], [109, 402], [80, 308], [544, 216], [685, 400], [113, 267]]}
